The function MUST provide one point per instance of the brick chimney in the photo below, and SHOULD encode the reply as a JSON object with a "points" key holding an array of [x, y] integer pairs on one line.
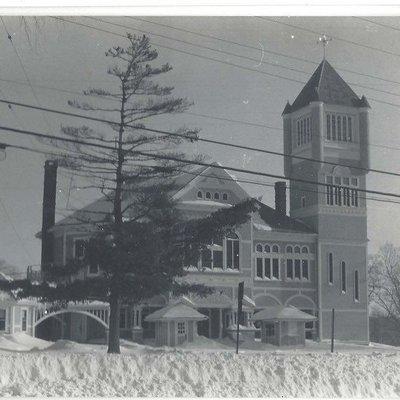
{"points": [[49, 212], [280, 197]]}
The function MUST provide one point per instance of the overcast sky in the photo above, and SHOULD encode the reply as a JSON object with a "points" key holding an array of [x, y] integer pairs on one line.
{"points": [[71, 57]]}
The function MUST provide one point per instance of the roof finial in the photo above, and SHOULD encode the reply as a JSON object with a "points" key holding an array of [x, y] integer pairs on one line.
{"points": [[324, 39]]}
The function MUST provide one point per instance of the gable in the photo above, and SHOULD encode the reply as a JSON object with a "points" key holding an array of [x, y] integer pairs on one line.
{"points": [[212, 185]]}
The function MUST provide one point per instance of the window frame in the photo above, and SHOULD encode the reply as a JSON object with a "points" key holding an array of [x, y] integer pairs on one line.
{"points": [[179, 330], [4, 320], [26, 312], [343, 277], [356, 286], [331, 277], [77, 239], [223, 248], [339, 127]]}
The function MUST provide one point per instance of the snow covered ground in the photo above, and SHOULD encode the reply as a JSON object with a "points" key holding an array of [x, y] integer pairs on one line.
{"points": [[33, 367]]}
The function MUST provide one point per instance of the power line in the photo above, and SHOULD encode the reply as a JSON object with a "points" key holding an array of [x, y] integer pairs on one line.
{"points": [[234, 54], [257, 183], [207, 58], [388, 52], [201, 115], [186, 161], [24, 70], [305, 60], [378, 23], [211, 141]]}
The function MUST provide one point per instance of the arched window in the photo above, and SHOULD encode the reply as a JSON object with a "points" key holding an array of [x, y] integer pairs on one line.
{"points": [[208, 195], [199, 194], [343, 276], [259, 248], [275, 248], [267, 249], [289, 249], [297, 249], [224, 196], [304, 250], [216, 196], [356, 286]]}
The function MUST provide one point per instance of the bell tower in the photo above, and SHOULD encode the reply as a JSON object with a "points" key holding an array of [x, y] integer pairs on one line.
{"points": [[329, 123]]}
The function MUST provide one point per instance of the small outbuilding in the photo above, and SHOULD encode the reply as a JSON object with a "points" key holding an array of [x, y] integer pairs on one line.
{"points": [[176, 323], [283, 326]]}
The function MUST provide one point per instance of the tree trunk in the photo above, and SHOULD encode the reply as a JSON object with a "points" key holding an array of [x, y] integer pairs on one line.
{"points": [[113, 336]]}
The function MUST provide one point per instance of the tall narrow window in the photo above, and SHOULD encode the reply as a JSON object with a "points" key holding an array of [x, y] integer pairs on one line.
{"points": [[232, 252], [308, 130], [24, 320], [259, 268], [297, 269], [268, 268], [2, 319], [344, 127], [199, 194], [328, 126], [289, 269], [330, 268], [304, 269], [343, 273], [333, 127], [349, 133], [298, 133], [356, 287], [339, 128], [275, 268]]}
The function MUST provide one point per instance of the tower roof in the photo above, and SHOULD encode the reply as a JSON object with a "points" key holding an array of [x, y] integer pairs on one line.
{"points": [[327, 85]]}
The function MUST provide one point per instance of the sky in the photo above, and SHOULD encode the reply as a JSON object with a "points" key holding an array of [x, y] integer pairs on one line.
{"points": [[62, 55]]}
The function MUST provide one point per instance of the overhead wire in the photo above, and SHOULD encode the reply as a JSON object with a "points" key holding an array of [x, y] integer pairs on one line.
{"points": [[199, 139], [187, 161]]}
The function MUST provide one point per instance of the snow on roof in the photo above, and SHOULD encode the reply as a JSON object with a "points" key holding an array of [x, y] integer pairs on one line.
{"points": [[5, 277], [173, 312], [262, 227], [282, 313], [213, 300], [206, 203]]}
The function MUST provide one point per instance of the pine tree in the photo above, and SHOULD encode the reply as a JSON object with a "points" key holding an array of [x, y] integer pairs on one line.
{"points": [[143, 244]]}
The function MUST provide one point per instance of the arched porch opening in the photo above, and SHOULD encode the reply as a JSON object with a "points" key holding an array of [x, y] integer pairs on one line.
{"points": [[76, 325]]}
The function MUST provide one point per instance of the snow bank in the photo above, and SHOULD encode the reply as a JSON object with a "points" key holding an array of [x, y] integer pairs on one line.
{"points": [[189, 373], [22, 342]]}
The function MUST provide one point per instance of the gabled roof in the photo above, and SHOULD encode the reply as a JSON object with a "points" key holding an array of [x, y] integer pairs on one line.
{"points": [[326, 85], [176, 312], [282, 313], [100, 210], [267, 218]]}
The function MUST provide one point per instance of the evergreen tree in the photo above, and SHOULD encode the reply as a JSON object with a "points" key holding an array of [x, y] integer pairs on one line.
{"points": [[143, 244]]}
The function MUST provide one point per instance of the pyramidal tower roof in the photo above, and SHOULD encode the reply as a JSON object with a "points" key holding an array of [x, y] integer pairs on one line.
{"points": [[326, 85]]}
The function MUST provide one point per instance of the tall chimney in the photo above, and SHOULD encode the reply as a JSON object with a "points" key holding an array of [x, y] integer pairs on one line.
{"points": [[49, 212], [280, 197]]}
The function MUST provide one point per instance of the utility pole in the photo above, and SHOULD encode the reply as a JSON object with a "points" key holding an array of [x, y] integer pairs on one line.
{"points": [[239, 312]]}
